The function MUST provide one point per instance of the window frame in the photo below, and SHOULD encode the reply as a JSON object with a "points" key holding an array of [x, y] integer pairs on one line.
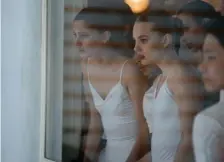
{"points": [[44, 47], [46, 51]]}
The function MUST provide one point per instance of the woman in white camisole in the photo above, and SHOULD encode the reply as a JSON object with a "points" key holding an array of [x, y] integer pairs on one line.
{"points": [[176, 100], [118, 119], [116, 89], [208, 134], [151, 73]]}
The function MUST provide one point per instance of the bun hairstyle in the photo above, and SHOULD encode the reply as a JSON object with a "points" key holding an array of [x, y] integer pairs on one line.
{"points": [[164, 23], [119, 24], [216, 28]]}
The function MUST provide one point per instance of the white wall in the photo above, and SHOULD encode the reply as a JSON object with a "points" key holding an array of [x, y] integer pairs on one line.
{"points": [[21, 36]]}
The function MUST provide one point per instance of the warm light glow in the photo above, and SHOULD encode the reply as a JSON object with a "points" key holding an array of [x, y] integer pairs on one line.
{"points": [[137, 6]]}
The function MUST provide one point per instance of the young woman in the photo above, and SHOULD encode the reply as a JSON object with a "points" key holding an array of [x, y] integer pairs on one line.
{"points": [[115, 84], [151, 72], [208, 135], [194, 16], [177, 94]]}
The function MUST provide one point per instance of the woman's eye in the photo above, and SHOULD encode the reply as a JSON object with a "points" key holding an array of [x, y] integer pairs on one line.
{"points": [[144, 40], [211, 57], [84, 36], [80, 36]]}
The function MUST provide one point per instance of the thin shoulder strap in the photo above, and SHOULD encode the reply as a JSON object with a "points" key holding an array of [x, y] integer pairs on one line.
{"points": [[157, 88], [122, 67], [87, 69], [157, 84]]}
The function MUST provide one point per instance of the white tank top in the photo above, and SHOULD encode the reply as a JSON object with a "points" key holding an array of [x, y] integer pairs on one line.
{"points": [[147, 106], [165, 124], [116, 111], [208, 134]]}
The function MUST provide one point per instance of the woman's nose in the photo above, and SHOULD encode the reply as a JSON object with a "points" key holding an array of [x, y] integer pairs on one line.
{"points": [[135, 48]]}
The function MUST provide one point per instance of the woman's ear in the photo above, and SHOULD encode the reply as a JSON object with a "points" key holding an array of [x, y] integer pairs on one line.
{"points": [[106, 36], [167, 40]]}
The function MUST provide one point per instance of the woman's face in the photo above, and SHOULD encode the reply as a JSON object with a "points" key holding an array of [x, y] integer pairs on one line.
{"points": [[147, 43], [192, 39], [87, 40], [212, 65]]}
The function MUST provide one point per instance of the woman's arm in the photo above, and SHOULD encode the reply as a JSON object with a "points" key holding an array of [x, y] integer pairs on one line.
{"points": [[93, 137], [188, 94], [136, 84]]}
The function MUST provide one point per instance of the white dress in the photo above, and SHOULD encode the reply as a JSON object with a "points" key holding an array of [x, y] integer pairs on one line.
{"points": [[163, 119], [118, 120], [208, 134]]}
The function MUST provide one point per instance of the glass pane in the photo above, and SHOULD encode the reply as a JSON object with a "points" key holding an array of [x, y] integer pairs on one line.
{"points": [[63, 107], [53, 133], [67, 112], [73, 107]]}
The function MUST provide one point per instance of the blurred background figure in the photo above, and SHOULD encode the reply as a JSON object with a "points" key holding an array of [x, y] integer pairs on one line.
{"points": [[209, 125], [195, 16]]}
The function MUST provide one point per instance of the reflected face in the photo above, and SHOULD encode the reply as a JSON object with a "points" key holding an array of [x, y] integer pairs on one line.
{"points": [[86, 39], [213, 64], [192, 39], [147, 43]]}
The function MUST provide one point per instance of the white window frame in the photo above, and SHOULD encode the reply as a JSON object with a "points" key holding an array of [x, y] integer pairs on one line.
{"points": [[44, 39], [45, 26]]}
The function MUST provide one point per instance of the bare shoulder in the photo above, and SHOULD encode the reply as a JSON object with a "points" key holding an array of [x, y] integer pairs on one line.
{"points": [[131, 66], [131, 72]]}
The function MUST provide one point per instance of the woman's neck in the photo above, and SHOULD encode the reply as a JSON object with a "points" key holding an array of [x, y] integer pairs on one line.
{"points": [[107, 58], [166, 68], [169, 62]]}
